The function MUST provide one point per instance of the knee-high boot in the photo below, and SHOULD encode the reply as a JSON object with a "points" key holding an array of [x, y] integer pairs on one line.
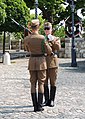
{"points": [[52, 95], [46, 95], [40, 100], [34, 100]]}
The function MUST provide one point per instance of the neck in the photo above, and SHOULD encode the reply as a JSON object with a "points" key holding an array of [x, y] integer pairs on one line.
{"points": [[35, 31]]}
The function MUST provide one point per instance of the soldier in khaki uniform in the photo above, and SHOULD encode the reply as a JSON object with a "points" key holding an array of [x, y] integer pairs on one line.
{"points": [[52, 66], [37, 46]]}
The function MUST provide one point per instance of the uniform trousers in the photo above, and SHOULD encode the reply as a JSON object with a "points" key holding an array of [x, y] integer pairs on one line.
{"points": [[37, 76], [52, 74]]}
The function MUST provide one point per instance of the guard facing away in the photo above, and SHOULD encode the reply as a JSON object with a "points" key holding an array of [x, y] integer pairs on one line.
{"points": [[37, 45]]}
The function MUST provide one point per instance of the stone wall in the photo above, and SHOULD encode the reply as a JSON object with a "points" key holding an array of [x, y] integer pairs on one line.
{"points": [[79, 45]]}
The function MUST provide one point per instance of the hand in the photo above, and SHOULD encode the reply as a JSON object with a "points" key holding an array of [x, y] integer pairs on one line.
{"points": [[50, 37]]}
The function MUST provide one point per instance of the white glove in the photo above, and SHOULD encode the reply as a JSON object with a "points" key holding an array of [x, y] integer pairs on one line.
{"points": [[50, 37]]}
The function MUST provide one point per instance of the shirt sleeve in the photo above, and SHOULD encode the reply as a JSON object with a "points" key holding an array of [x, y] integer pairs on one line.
{"points": [[56, 44]]}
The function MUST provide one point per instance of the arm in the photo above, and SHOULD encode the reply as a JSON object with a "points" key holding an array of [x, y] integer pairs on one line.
{"points": [[25, 44], [56, 45], [48, 49]]}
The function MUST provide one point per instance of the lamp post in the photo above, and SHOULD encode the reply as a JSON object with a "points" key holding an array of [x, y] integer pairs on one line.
{"points": [[36, 6], [73, 50]]}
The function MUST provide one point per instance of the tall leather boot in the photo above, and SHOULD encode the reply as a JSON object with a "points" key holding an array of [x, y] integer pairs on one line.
{"points": [[52, 95], [46, 95], [40, 100], [34, 100]]}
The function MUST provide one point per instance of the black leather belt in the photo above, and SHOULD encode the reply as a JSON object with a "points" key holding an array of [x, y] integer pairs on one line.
{"points": [[36, 55]]}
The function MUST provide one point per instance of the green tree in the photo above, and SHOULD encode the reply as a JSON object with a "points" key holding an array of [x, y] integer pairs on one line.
{"points": [[15, 9], [50, 9], [68, 11], [2, 12], [53, 10]]}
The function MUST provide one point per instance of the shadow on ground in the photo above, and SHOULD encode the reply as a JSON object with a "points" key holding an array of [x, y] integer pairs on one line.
{"points": [[14, 109], [80, 67]]}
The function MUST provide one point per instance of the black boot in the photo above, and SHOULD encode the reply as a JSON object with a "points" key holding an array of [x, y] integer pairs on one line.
{"points": [[40, 100], [52, 95], [34, 100], [46, 95]]}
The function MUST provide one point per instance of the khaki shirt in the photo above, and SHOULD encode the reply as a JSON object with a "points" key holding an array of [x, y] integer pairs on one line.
{"points": [[53, 60], [33, 43]]}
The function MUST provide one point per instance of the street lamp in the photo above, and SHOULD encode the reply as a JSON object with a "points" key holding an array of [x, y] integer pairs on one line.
{"points": [[36, 6], [73, 50]]}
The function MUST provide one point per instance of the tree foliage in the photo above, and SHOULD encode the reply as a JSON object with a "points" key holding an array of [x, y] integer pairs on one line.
{"points": [[68, 11], [53, 11], [50, 9], [15, 9], [2, 12]]}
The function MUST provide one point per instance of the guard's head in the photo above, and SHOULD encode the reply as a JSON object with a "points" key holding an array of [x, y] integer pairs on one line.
{"points": [[47, 28], [35, 24]]}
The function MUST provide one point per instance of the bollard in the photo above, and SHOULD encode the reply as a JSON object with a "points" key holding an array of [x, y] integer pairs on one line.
{"points": [[6, 60]]}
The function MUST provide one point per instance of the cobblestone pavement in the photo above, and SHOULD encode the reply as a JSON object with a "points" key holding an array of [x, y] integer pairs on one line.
{"points": [[15, 98]]}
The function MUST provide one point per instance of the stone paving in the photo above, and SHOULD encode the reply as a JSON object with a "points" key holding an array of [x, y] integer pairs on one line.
{"points": [[15, 98]]}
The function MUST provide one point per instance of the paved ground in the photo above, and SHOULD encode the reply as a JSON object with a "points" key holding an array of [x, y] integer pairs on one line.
{"points": [[15, 99]]}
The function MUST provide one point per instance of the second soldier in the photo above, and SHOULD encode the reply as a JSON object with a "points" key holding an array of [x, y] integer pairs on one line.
{"points": [[37, 47]]}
